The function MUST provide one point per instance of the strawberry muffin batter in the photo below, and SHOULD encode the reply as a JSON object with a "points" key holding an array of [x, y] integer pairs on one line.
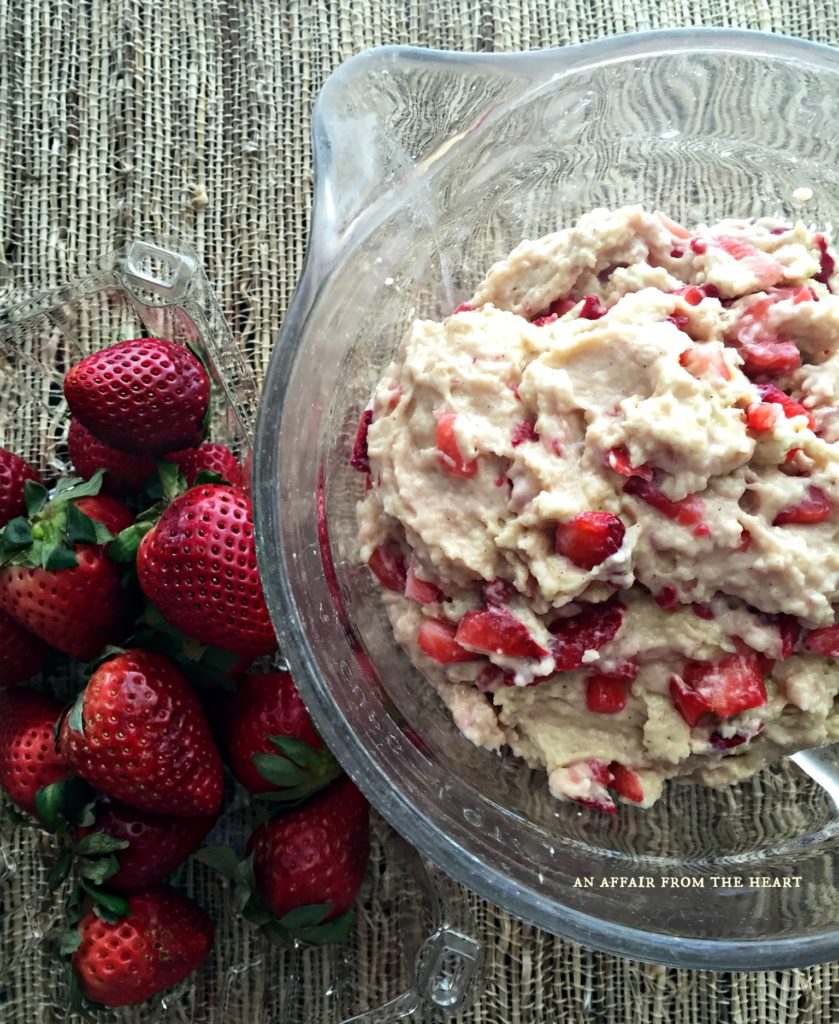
{"points": [[603, 502]]}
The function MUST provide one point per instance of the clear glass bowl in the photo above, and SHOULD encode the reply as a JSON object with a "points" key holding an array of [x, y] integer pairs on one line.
{"points": [[430, 166], [410, 948]]}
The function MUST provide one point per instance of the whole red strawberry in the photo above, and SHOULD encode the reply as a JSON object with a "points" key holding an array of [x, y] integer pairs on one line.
{"points": [[164, 938], [145, 395], [14, 472], [198, 568], [209, 458], [28, 756], [22, 654], [66, 592], [316, 853], [138, 734], [124, 473], [266, 706], [157, 844]]}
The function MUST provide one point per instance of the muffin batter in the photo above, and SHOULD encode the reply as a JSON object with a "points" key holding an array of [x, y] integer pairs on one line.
{"points": [[603, 496]]}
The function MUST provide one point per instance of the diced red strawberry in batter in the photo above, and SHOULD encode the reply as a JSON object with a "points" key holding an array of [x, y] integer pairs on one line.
{"points": [[824, 640], [388, 566], [769, 393], [359, 459], [667, 598], [767, 271], [828, 264], [703, 611], [693, 294], [815, 508], [687, 511], [704, 361], [690, 704], [590, 538], [626, 782], [417, 589], [448, 457], [699, 246], [498, 592], [497, 631], [437, 639], [790, 632], [676, 254], [600, 772], [763, 417], [745, 541], [606, 693], [592, 309], [589, 630], [523, 431], [618, 459], [719, 742], [558, 308], [464, 307], [491, 678], [769, 357], [679, 320], [730, 685], [804, 294]]}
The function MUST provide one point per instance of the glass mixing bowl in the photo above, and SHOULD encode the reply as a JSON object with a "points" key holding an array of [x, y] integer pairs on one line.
{"points": [[430, 166]]}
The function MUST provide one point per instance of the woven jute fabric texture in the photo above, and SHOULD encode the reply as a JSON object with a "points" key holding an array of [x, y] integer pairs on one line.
{"points": [[190, 118]]}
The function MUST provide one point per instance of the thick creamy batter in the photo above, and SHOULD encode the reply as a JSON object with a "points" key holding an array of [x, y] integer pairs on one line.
{"points": [[603, 499]]}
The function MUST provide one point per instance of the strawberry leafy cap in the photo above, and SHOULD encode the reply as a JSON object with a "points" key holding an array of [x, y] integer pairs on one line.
{"points": [[52, 525], [303, 924], [299, 770]]}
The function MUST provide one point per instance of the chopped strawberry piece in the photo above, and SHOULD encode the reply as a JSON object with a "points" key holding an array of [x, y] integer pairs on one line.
{"points": [[523, 431], [388, 566], [417, 589], [498, 592], [769, 393], [769, 357], [699, 246], [448, 456], [606, 693], [690, 704], [745, 541], [590, 538], [767, 270], [719, 742], [607, 806], [600, 772], [762, 417], [677, 253], [618, 459], [702, 360], [589, 630], [703, 611], [464, 307], [558, 308], [828, 264], [497, 631], [687, 511], [679, 320], [491, 679], [395, 390], [667, 598], [592, 309], [790, 631], [804, 294], [824, 640], [359, 459], [730, 685], [815, 508], [626, 782], [437, 639]]}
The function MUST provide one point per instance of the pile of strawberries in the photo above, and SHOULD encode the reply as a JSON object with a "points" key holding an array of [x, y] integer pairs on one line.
{"points": [[143, 567]]}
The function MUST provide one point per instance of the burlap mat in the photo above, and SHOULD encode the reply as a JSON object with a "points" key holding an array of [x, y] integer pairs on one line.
{"points": [[120, 119]]}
